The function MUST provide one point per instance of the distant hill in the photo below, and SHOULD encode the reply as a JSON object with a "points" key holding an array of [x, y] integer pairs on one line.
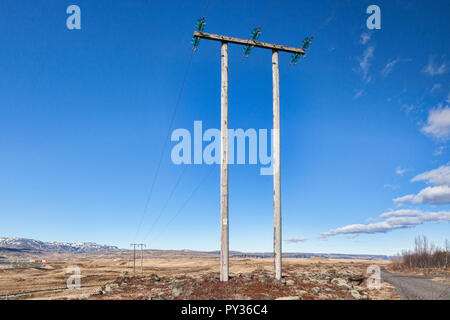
{"points": [[20, 246], [35, 246], [237, 254]]}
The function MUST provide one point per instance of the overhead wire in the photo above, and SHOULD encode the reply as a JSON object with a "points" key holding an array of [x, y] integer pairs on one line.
{"points": [[185, 168], [331, 15], [172, 119], [328, 18]]}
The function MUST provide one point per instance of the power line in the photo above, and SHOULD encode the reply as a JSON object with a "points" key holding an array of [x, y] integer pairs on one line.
{"points": [[167, 202], [328, 18], [231, 79], [206, 8], [244, 55], [165, 143], [179, 211], [268, 13], [168, 132], [315, 32]]}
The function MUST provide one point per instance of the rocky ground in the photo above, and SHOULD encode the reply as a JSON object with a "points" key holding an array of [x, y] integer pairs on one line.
{"points": [[320, 282]]}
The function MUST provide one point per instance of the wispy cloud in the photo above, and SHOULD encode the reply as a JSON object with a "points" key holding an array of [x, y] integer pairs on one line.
{"points": [[359, 93], [408, 108], [433, 69], [439, 151], [436, 87], [400, 171], [391, 186], [392, 220], [365, 37], [438, 123], [390, 66], [365, 62], [296, 240]]}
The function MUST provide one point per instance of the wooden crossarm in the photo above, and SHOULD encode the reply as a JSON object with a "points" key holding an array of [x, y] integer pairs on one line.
{"points": [[245, 42]]}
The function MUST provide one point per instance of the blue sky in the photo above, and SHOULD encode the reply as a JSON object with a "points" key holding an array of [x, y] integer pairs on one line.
{"points": [[365, 124]]}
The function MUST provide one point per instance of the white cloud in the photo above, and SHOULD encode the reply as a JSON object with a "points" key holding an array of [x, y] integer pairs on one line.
{"points": [[296, 240], [439, 193], [439, 151], [401, 213], [436, 87], [434, 69], [365, 61], [389, 67], [429, 195], [365, 37], [391, 186], [358, 94], [400, 171], [437, 177], [408, 108], [438, 123], [398, 219]]}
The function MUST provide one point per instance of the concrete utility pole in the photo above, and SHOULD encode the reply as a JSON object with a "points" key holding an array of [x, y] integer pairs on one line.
{"points": [[276, 166], [224, 231], [134, 256], [224, 250]]}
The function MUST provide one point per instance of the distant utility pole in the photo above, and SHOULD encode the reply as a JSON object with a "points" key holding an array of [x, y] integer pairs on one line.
{"points": [[224, 247], [134, 256], [142, 258]]}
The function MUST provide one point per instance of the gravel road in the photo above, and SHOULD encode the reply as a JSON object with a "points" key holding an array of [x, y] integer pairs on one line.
{"points": [[416, 287]]}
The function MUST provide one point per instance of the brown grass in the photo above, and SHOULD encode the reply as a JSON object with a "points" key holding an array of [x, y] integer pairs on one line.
{"points": [[49, 281]]}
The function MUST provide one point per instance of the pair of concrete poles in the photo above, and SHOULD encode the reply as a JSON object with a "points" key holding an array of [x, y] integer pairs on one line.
{"points": [[224, 236]]}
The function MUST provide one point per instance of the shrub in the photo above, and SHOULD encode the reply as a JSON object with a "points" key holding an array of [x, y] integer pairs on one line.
{"points": [[423, 256]]}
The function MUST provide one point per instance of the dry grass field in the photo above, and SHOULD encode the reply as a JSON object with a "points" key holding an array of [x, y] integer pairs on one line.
{"points": [[184, 277]]}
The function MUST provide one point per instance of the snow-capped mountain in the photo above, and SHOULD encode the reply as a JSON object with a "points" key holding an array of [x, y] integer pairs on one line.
{"points": [[61, 247]]}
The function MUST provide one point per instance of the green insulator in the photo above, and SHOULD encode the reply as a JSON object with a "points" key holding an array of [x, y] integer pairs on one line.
{"points": [[195, 41], [306, 43], [247, 50], [295, 58], [200, 25], [255, 34]]}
